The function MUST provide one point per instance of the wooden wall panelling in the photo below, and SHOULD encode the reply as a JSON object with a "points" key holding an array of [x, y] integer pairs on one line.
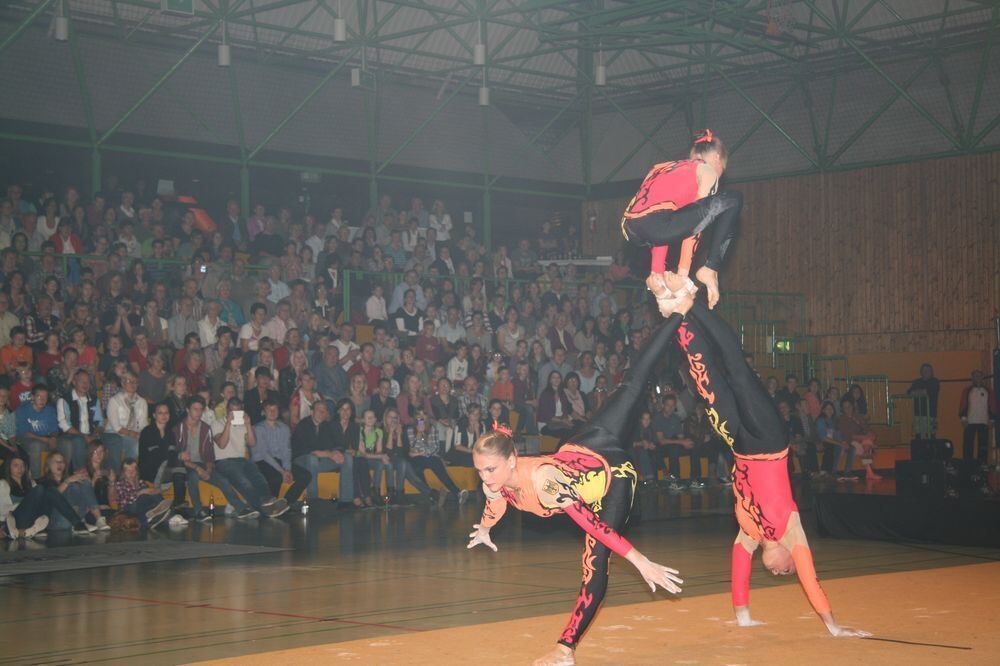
{"points": [[895, 258]]}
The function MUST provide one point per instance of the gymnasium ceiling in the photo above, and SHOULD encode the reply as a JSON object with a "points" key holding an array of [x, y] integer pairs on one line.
{"points": [[932, 61]]}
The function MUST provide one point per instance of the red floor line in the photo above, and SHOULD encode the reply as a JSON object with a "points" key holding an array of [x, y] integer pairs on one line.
{"points": [[163, 602]]}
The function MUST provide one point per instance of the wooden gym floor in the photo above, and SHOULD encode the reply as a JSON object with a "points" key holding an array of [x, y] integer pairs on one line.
{"points": [[399, 586]]}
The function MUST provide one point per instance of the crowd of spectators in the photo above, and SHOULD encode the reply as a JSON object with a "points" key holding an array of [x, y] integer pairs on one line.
{"points": [[141, 351]]}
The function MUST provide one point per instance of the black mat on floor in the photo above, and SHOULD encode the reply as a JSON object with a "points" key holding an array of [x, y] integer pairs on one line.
{"points": [[37, 558]]}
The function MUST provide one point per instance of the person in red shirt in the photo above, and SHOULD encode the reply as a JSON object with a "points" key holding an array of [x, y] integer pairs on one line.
{"points": [[428, 346], [676, 202], [20, 391], [365, 365], [194, 371], [17, 352], [140, 353], [503, 389]]}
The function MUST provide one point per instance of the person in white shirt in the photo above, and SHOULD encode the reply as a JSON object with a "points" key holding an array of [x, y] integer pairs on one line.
{"points": [[279, 289], [277, 327], [126, 236], [375, 308], [208, 326], [79, 419], [452, 330], [348, 348], [410, 281], [440, 221], [232, 464], [128, 414], [977, 410], [458, 366]]}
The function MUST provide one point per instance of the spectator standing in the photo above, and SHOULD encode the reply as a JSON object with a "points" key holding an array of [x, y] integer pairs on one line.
{"points": [[977, 410], [927, 411]]}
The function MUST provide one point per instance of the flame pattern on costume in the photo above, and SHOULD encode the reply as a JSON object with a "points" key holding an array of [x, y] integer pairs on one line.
{"points": [[749, 513], [596, 565], [644, 201], [702, 383]]}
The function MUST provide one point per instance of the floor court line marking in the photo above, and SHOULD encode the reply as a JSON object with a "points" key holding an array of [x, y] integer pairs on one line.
{"points": [[250, 611], [895, 640]]}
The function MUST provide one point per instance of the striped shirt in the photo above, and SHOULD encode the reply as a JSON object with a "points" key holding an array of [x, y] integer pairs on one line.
{"points": [[274, 445]]}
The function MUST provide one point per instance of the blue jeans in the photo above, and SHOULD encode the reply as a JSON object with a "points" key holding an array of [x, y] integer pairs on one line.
{"points": [[45, 501], [219, 482], [119, 448], [80, 495], [35, 449], [647, 461], [526, 419], [246, 478], [74, 447], [317, 466], [143, 503]]}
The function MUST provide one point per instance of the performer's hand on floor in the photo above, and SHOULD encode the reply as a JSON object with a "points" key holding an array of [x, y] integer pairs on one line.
{"points": [[844, 632], [655, 574], [743, 618], [710, 279], [481, 535]]}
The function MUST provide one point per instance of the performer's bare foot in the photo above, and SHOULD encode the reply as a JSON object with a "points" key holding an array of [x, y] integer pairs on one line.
{"points": [[656, 284], [710, 279], [675, 282], [679, 303], [560, 655]]}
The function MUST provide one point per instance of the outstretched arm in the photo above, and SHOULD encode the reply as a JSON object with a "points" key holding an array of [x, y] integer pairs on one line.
{"points": [[495, 507], [743, 550], [795, 541], [555, 491]]}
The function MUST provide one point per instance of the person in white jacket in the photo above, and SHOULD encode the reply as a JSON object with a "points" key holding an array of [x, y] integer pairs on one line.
{"points": [[128, 414]]}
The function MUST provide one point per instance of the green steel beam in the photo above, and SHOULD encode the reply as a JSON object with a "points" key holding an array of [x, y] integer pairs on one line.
{"points": [[986, 130], [905, 95], [981, 76], [156, 86], [829, 117], [879, 112], [533, 141], [29, 19], [639, 146], [288, 34], [427, 121], [749, 100], [81, 78], [294, 112], [761, 119]]}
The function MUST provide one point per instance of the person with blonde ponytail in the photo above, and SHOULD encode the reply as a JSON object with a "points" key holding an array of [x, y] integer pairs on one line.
{"points": [[591, 480]]}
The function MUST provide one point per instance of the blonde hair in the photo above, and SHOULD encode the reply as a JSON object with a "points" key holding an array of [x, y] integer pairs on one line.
{"points": [[706, 142], [494, 443]]}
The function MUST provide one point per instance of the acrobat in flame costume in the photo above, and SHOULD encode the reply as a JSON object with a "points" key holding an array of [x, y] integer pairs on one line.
{"points": [[666, 210], [601, 483], [744, 416]]}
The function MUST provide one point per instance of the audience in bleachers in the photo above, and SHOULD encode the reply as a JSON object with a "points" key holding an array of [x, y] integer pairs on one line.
{"points": [[144, 353]]}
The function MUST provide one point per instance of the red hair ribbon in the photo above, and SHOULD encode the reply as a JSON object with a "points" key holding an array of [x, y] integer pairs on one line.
{"points": [[503, 430], [708, 138]]}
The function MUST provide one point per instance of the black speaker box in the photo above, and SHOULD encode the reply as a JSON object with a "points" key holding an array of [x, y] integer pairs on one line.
{"points": [[920, 478], [931, 449]]}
